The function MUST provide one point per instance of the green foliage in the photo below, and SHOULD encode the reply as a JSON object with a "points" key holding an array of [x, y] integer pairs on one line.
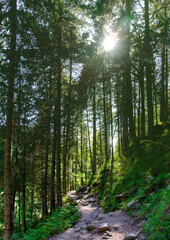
{"points": [[57, 222], [157, 208]]}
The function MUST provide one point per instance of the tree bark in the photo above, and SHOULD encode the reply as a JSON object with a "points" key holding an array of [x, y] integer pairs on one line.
{"points": [[24, 180], [52, 201], [8, 219], [148, 64], [111, 123], [47, 145], [81, 164], [129, 104], [166, 80], [142, 89], [59, 69], [94, 130], [105, 121], [88, 129], [68, 130]]}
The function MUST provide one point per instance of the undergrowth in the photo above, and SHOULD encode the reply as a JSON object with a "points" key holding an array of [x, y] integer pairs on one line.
{"points": [[141, 177], [61, 219]]}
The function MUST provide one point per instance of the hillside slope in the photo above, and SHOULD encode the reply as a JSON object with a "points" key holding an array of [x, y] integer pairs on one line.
{"points": [[140, 184]]}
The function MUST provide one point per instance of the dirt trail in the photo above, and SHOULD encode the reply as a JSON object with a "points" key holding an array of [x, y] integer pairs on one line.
{"points": [[115, 225]]}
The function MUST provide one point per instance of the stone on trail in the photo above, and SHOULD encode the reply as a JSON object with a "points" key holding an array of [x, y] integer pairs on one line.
{"points": [[108, 234], [77, 229], [95, 215], [110, 214], [101, 216], [103, 227], [131, 236], [120, 197], [84, 226], [95, 223], [117, 227], [84, 232], [85, 203], [131, 204]]}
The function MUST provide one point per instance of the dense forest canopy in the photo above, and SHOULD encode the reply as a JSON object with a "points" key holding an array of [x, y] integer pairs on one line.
{"points": [[80, 82]]}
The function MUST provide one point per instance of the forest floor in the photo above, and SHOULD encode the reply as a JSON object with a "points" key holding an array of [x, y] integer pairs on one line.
{"points": [[95, 225]]}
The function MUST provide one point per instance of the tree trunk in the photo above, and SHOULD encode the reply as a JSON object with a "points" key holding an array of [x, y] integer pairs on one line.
{"points": [[166, 81], [129, 104], [81, 164], [91, 160], [68, 131], [32, 189], [8, 219], [19, 211], [47, 145], [59, 69], [148, 64], [52, 202], [111, 123], [125, 114], [85, 167], [105, 121], [16, 164], [94, 131], [141, 83], [77, 156], [24, 180], [139, 112], [162, 90], [101, 146]]}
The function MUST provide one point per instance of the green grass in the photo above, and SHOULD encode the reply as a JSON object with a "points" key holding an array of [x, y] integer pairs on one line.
{"points": [[57, 222]]}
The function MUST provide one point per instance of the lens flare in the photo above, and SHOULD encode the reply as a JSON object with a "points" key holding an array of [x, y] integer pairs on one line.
{"points": [[109, 43], [110, 39]]}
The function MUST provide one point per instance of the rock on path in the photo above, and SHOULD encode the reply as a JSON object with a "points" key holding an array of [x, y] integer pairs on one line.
{"points": [[95, 225]]}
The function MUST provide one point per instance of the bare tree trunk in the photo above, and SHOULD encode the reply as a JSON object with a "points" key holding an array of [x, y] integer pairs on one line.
{"points": [[125, 114], [101, 147], [118, 114], [68, 130], [89, 137], [16, 163], [76, 159], [24, 180], [111, 123], [47, 145], [8, 218], [162, 90], [129, 104], [166, 80], [19, 213], [141, 83], [94, 131], [32, 189], [139, 113], [81, 164], [105, 121], [148, 64], [85, 167], [59, 196], [52, 202]]}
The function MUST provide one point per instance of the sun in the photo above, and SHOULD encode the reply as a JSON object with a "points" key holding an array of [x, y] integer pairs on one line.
{"points": [[109, 42]]}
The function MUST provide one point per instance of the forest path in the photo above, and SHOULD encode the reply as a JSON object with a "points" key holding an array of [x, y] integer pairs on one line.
{"points": [[115, 225]]}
